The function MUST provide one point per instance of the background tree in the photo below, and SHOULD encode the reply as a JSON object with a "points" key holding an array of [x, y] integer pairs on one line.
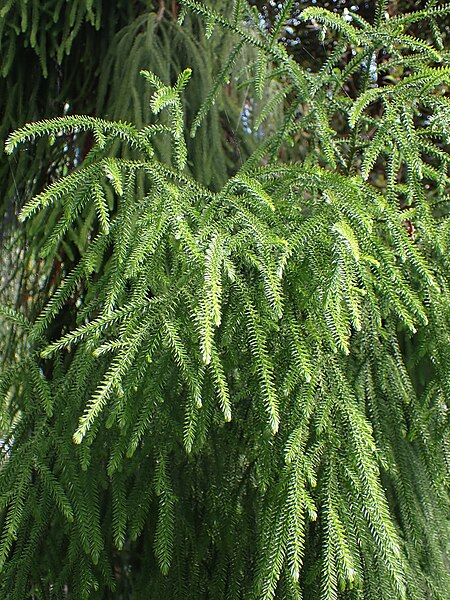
{"points": [[245, 335]]}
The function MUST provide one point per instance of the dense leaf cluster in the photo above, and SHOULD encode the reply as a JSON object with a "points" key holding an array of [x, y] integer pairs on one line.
{"points": [[248, 394]]}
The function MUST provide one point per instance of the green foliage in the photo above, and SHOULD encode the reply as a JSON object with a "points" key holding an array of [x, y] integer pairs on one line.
{"points": [[241, 390]]}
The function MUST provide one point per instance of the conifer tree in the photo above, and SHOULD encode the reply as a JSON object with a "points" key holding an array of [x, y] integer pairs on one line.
{"points": [[229, 376]]}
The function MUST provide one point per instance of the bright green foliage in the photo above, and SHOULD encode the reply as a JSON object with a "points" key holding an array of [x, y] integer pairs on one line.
{"points": [[250, 399]]}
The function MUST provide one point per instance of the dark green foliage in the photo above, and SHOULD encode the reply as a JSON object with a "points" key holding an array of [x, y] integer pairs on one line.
{"points": [[238, 386]]}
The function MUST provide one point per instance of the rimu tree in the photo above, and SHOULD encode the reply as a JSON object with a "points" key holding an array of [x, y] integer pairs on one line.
{"points": [[231, 377]]}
